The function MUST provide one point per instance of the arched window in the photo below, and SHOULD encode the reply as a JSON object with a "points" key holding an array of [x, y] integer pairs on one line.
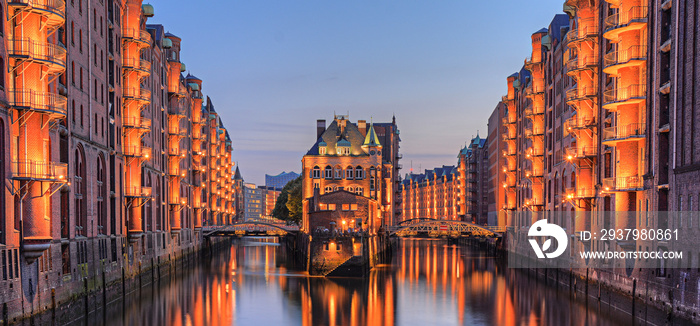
{"points": [[2, 63], [359, 173], [328, 173], [338, 172], [316, 172], [327, 189], [350, 189], [101, 195], [372, 178], [573, 180], [80, 191], [359, 191], [348, 173]]}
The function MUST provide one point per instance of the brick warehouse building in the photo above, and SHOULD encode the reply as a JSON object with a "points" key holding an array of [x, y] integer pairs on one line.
{"points": [[601, 118], [351, 159], [112, 160], [450, 192]]}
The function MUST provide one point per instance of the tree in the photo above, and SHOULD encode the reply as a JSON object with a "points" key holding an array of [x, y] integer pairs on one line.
{"points": [[288, 205]]}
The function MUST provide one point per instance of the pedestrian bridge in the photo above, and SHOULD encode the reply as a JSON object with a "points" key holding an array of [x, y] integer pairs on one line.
{"points": [[249, 229], [440, 228]]}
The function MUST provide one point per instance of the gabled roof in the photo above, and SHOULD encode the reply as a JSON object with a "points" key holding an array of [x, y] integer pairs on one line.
{"points": [[333, 135], [190, 76]]}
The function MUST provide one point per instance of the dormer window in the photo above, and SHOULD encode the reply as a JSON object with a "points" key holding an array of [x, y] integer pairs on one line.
{"points": [[322, 150]]}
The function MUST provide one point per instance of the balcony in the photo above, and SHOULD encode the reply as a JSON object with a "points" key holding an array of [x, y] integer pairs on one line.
{"points": [[577, 64], [53, 105], [587, 30], [137, 94], [533, 111], [141, 66], [39, 171], [580, 193], [137, 123], [535, 153], [580, 152], [634, 56], [138, 192], [537, 201], [53, 10], [530, 64], [534, 132], [177, 132], [399, 156], [509, 152], [632, 131], [630, 183], [140, 37], [176, 112], [631, 94], [533, 173], [633, 19], [177, 152], [577, 123], [532, 90], [137, 151], [52, 56], [509, 120], [575, 94], [509, 136]]}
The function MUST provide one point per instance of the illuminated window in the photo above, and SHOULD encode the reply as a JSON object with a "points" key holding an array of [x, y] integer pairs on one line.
{"points": [[331, 207], [323, 207], [316, 172], [359, 173], [322, 150], [346, 207], [327, 189], [338, 172], [353, 207]]}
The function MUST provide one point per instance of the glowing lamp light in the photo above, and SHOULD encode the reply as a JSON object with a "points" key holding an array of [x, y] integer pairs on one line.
{"points": [[570, 196], [607, 188], [569, 157], [182, 202]]}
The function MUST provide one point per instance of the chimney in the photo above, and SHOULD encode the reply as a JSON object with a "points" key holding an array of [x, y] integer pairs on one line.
{"points": [[320, 128], [362, 126]]}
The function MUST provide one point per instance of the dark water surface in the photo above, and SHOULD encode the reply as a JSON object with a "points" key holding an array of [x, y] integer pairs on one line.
{"points": [[428, 283]]}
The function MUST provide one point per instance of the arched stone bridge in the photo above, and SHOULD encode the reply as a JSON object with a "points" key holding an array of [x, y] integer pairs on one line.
{"points": [[249, 229], [438, 228]]}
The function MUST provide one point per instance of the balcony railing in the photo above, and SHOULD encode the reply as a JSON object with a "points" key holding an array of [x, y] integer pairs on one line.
{"points": [[581, 152], [576, 122], [138, 192], [629, 183], [533, 132], [578, 193], [137, 93], [54, 10], [509, 135], [632, 130], [533, 173], [535, 152], [624, 94], [53, 55], [140, 65], [617, 59], [579, 63], [509, 120], [534, 90], [43, 102], [39, 171], [177, 152], [137, 151], [587, 29], [136, 35], [627, 18], [509, 152], [136, 122], [580, 93]]}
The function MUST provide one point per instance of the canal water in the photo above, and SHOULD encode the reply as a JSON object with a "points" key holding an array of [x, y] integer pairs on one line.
{"points": [[429, 282]]}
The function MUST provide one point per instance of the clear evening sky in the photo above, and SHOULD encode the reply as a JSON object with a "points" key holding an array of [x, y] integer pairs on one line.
{"points": [[273, 67]]}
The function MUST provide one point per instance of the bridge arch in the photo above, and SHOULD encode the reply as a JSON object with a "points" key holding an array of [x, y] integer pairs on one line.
{"points": [[442, 227], [247, 228]]}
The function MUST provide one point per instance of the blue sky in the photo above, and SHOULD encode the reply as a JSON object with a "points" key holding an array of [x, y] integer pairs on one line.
{"points": [[273, 67]]}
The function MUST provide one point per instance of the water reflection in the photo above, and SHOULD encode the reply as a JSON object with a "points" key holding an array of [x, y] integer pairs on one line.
{"points": [[428, 283]]}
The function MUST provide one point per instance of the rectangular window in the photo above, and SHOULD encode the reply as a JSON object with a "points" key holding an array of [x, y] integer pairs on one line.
{"points": [[346, 207], [331, 207], [353, 207], [323, 207]]}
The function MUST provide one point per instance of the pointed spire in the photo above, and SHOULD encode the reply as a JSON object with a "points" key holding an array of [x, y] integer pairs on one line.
{"points": [[237, 175], [371, 139]]}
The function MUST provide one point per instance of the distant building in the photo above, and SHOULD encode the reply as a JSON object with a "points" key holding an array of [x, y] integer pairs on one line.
{"points": [[269, 198], [252, 201], [497, 156], [238, 196], [280, 180], [432, 194], [473, 166]]}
